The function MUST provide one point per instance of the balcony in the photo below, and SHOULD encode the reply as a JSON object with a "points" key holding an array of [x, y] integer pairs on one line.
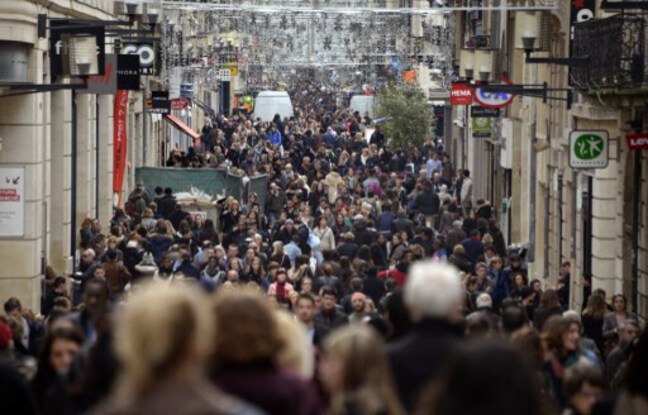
{"points": [[616, 50]]}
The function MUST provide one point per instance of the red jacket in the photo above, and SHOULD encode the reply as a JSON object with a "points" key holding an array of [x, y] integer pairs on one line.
{"points": [[398, 276]]}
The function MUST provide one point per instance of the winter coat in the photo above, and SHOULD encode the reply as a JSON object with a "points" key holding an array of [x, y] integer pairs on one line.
{"points": [[427, 203], [327, 239], [272, 390], [418, 358], [159, 245], [173, 397], [166, 206], [328, 322]]}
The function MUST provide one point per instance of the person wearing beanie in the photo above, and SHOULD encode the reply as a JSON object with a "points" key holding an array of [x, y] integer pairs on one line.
{"points": [[359, 315]]}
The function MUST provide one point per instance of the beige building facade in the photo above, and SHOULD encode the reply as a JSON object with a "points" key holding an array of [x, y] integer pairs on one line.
{"points": [[36, 135], [584, 216]]}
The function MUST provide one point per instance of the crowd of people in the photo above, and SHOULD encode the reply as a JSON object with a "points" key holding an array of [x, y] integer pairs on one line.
{"points": [[370, 282]]}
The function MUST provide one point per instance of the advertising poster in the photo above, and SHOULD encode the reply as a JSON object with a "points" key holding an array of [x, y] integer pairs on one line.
{"points": [[12, 201]]}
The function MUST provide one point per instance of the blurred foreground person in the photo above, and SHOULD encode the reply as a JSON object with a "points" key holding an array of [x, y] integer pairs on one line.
{"points": [[489, 378], [433, 296], [248, 356], [356, 373], [633, 399], [561, 338], [58, 351], [162, 359], [584, 385], [297, 355]]}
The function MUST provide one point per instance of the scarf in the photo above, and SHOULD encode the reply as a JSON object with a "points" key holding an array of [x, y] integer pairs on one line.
{"points": [[281, 291]]}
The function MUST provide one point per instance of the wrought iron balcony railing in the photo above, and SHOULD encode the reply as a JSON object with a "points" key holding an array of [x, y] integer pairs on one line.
{"points": [[615, 47]]}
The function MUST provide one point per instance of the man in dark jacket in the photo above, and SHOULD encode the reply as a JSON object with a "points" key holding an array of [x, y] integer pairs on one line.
{"points": [[348, 247], [474, 246], [166, 204], [330, 317], [432, 294], [386, 218], [187, 268], [373, 287], [403, 224], [427, 203], [276, 202]]}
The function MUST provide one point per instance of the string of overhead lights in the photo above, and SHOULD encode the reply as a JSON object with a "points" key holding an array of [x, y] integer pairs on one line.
{"points": [[276, 45], [361, 6]]}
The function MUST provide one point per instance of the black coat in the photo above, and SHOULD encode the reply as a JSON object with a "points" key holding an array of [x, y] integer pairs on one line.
{"points": [[374, 288], [427, 202], [348, 249], [419, 357], [403, 224], [327, 322], [166, 206]]}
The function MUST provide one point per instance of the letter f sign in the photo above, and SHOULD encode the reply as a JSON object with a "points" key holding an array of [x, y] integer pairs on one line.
{"points": [[59, 46]]}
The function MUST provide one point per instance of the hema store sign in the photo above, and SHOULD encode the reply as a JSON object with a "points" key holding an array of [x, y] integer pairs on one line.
{"points": [[460, 94]]}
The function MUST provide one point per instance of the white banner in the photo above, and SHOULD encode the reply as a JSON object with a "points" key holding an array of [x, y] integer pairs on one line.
{"points": [[12, 201]]}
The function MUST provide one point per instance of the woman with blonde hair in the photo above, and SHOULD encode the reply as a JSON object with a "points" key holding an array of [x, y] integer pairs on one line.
{"points": [[279, 256], [296, 355], [246, 356], [162, 360], [356, 373]]}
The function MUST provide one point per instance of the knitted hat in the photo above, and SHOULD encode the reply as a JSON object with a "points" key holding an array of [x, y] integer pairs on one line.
{"points": [[358, 296]]}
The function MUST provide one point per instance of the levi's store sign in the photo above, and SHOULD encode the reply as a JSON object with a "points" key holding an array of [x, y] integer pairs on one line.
{"points": [[460, 94], [637, 141]]}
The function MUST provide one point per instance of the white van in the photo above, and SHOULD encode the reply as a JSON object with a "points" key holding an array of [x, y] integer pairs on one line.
{"points": [[363, 104], [269, 103]]}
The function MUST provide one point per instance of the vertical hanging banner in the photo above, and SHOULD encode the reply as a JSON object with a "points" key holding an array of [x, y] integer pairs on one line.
{"points": [[119, 145]]}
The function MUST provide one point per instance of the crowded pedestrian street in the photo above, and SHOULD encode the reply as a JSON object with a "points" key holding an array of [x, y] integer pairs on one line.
{"points": [[315, 207]]}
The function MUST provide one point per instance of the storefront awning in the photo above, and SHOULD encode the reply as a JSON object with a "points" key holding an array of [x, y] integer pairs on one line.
{"points": [[177, 123]]}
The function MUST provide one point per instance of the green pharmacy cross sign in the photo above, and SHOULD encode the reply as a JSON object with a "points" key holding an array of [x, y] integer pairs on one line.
{"points": [[588, 149]]}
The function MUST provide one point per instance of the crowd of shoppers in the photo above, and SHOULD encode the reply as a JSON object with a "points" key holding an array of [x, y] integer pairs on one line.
{"points": [[370, 282]]}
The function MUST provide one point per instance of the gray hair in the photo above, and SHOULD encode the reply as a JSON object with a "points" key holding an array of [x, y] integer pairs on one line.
{"points": [[484, 300], [433, 289]]}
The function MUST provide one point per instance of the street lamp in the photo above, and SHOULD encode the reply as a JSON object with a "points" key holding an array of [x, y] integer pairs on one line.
{"points": [[527, 30], [147, 11], [466, 63], [484, 64], [80, 55]]}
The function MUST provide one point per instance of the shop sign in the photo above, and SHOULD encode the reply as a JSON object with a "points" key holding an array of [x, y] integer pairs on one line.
{"points": [[637, 141], [148, 56], [588, 149], [482, 127], [480, 112], [178, 104], [159, 102], [494, 99], [460, 94], [106, 83], [128, 72], [67, 28]]}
